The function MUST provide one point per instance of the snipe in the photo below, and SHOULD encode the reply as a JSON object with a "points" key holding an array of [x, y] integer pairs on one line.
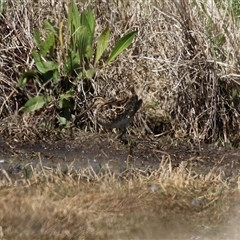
{"points": [[119, 111]]}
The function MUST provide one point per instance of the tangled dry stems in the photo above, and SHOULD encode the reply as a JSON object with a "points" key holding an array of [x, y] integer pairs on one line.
{"points": [[83, 204], [183, 62], [186, 76]]}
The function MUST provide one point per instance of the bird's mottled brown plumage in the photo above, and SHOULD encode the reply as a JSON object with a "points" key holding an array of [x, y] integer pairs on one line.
{"points": [[119, 111]]}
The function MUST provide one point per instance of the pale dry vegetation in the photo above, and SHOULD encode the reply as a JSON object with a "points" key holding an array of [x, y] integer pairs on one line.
{"points": [[184, 63], [164, 203]]}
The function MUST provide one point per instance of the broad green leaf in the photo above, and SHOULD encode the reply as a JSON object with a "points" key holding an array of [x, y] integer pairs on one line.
{"points": [[38, 61], [89, 52], [55, 75], [73, 26], [80, 75], [65, 99], [102, 44], [62, 120], [49, 27], [34, 104], [90, 73], [82, 42], [67, 95], [121, 45], [42, 66], [88, 20], [47, 66], [27, 75], [37, 36], [2, 3], [73, 62], [86, 34], [73, 18], [81, 28], [48, 45]]}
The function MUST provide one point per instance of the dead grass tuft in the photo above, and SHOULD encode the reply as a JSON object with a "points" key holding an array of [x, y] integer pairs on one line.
{"points": [[184, 63], [83, 204]]}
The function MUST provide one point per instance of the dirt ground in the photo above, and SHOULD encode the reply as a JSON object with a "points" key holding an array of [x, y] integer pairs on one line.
{"points": [[98, 150], [180, 191]]}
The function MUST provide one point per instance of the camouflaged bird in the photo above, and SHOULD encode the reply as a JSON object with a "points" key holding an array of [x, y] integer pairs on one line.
{"points": [[119, 111]]}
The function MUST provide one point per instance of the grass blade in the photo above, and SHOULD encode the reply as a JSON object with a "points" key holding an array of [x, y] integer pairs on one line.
{"points": [[102, 44], [121, 45]]}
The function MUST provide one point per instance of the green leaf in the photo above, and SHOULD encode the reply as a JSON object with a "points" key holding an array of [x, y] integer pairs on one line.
{"points": [[81, 28], [37, 36], [82, 42], [73, 62], [90, 73], [2, 3], [42, 66], [85, 34], [48, 45], [89, 52], [62, 120], [48, 66], [80, 75], [34, 104], [121, 45], [68, 94], [73, 17], [55, 75], [102, 44], [27, 75], [88, 20], [65, 98], [49, 27]]}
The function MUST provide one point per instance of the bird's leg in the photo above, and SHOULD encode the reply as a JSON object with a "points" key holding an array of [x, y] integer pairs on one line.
{"points": [[123, 132]]}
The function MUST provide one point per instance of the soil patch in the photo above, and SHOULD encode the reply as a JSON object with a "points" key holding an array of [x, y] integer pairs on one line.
{"points": [[98, 151]]}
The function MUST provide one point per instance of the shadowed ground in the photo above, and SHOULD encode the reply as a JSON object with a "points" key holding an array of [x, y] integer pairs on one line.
{"points": [[98, 150], [91, 187]]}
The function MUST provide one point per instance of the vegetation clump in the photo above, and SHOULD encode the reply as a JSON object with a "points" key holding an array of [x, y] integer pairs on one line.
{"points": [[183, 62], [84, 204], [182, 57]]}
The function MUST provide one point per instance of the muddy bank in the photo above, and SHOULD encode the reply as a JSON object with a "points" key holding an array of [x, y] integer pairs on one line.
{"points": [[99, 151]]}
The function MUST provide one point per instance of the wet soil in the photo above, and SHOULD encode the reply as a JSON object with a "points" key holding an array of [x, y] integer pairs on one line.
{"points": [[95, 150], [98, 151]]}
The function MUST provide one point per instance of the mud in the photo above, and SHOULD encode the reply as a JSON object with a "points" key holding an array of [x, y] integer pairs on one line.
{"points": [[99, 151]]}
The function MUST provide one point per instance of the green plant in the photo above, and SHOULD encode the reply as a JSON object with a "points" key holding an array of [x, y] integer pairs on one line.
{"points": [[56, 77], [2, 2]]}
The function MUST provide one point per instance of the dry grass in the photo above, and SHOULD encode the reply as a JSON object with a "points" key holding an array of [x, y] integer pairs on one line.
{"points": [[162, 203], [184, 63]]}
